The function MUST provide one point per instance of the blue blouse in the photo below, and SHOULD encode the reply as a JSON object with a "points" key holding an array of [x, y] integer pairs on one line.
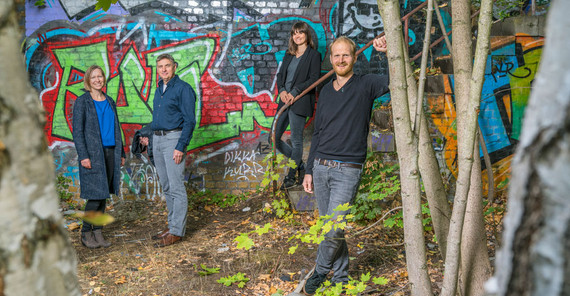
{"points": [[106, 118]]}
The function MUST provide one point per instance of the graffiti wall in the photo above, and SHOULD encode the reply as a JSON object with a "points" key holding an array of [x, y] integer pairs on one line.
{"points": [[228, 51], [510, 70]]}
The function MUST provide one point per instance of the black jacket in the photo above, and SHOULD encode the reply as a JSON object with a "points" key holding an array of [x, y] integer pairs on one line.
{"points": [[137, 148], [308, 71]]}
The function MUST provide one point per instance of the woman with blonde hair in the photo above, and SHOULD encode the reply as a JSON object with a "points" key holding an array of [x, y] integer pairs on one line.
{"points": [[98, 141]]}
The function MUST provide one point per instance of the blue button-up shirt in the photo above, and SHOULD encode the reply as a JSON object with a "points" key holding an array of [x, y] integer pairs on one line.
{"points": [[174, 108]]}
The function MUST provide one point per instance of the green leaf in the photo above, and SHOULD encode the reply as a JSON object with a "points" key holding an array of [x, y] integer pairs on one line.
{"points": [[207, 270], [226, 281], [293, 249], [95, 218], [380, 280], [244, 242], [343, 207], [263, 230], [365, 277]]}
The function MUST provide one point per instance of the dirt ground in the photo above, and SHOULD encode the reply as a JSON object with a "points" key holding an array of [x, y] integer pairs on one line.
{"points": [[133, 266]]}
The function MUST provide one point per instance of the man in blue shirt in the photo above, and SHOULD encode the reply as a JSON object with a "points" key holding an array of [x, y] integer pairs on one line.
{"points": [[173, 121], [338, 151]]}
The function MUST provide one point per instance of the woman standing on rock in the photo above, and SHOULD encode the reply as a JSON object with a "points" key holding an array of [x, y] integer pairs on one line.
{"points": [[97, 138], [300, 68]]}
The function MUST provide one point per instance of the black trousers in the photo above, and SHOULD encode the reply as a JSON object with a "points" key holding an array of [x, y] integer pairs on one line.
{"points": [[98, 205]]}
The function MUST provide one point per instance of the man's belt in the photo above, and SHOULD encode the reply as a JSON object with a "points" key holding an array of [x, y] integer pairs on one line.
{"points": [[337, 164], [164, 133]]}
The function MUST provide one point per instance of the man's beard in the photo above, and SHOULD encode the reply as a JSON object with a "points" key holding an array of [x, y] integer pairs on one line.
{"points": [[342, 72]]}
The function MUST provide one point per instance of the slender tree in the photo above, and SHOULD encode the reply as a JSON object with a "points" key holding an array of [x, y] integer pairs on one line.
{"points": [[535, 256], [36, 257], [468, 75], [429, 168], [407, 147]]}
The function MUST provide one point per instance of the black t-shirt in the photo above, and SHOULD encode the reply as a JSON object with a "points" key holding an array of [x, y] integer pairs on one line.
{"points": [[343, 118]]}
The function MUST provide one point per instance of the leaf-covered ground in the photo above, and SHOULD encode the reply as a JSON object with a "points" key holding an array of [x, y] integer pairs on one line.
{"points": [[133, 266]]}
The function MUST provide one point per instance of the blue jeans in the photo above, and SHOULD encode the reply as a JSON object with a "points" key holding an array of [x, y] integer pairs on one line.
{"points": [[334, 187], [297, 123], [171, 177]]}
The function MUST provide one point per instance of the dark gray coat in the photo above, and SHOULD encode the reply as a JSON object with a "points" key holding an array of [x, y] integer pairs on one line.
{"points": [[88, 143]]}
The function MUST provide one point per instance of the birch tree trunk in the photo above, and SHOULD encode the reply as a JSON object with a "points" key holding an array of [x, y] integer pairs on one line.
{"points": [[36, 257], [429, 168], [535, 257], [406, 144], [462, 63], [475, 265]]}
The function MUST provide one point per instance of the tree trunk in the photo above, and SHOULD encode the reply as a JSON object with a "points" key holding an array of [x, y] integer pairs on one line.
{"points": [[462, 63], [36, 257], [468, 86], [406, 144], [475, 265], [429, 168], [535, 257]]}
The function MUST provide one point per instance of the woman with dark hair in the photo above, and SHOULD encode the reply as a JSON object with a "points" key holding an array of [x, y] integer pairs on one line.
{"points": [[97, 138], [300, 68]]}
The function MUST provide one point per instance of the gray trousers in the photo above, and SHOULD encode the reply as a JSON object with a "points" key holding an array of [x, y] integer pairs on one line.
{"points": [[334, 187], [171, 177]]}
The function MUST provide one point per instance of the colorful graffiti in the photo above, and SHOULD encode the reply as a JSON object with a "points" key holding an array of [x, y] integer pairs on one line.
{"points": [[511, 68], [229, 51]]}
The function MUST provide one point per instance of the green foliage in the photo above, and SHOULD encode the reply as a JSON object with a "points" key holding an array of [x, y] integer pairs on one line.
{"points": [[397, 219], [104, 4], [353, 287], [281, 208], [216, 199], [245, 242], [101, 4], [207, 271], [322, 226], [379, 181], [503, 184], [40, 3], [62, 187], [394, 220], [279, 162], [238, 278]]}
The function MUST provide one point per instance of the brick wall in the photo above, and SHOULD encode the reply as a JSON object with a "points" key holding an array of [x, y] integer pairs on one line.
{"points": [[229, 51]]}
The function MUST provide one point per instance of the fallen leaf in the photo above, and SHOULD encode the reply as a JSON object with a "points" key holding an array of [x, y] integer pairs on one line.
{"points": [[121, 280], [73, 226]]}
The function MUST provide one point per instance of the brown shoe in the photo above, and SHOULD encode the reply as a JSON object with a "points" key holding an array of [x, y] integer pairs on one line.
{"points": [[98, 235], [161, 234], [168, 240], [88, 240]]}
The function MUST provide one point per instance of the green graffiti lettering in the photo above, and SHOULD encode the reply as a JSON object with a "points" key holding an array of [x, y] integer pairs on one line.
{"points": [[236, 122], [520, 88], [133, 80], [68, 58]]}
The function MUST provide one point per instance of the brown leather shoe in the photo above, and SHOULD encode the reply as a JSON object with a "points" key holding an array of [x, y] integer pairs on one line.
{"points": [[168, 240], [161, 234]]}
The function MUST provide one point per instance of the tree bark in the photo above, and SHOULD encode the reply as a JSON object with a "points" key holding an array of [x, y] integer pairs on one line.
{"points": [[475, 265], [429, 168], [36, 257], [462, 63], [406, 144], [535, 256]]}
